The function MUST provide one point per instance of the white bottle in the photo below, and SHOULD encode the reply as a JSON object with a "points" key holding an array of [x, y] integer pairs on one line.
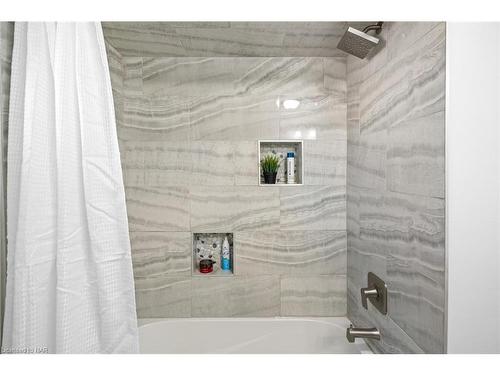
{"points": [[290, 168], [226, 255]]}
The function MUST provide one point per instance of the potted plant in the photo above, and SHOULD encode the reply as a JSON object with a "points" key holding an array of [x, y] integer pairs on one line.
{"points": [[270, 165]]}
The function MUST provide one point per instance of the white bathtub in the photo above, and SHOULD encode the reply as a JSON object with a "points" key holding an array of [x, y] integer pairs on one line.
{"points": [[247, 335]]}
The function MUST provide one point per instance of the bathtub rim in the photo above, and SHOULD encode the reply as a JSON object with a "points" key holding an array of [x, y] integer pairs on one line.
{"points": [[341, 322]]}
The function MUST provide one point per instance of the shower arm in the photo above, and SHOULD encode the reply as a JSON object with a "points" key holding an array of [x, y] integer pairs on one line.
{"points": [[377, 27]]}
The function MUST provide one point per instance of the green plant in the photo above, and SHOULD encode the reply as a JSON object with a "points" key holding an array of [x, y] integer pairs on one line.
{"points": [[270, 163]]}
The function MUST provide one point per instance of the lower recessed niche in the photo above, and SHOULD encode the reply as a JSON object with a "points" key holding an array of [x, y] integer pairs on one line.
{"points": [[208, 247]]}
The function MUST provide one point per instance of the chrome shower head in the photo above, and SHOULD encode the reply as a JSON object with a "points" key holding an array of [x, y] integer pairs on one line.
{"points": [[359, 43]]}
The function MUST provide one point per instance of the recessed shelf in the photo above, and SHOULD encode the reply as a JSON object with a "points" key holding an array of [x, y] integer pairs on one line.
{"points": [[209, 246], [281, 148], [217, 272]]}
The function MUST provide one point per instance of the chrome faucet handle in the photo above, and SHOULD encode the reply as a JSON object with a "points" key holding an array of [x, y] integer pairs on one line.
{"points": [[370, 292]]}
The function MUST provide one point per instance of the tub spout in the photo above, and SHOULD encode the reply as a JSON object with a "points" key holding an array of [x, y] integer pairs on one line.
{"points": [[367, 333]]}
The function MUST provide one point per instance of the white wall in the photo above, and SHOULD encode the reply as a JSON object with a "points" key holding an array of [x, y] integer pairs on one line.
{"points": [[473, 187]]}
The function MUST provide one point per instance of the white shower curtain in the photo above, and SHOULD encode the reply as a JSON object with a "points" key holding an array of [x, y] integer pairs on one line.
{"points": [[70, 285]]}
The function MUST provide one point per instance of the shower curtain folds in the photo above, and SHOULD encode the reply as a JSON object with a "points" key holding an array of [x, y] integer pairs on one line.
{"points": [[70, 285]]}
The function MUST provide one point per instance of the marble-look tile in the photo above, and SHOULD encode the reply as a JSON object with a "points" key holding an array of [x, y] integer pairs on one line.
{"points": [[311, 38], [366, 165], [410, 86], [220, 76], [246, 164], [116, 76], [312, 208], [145, 38], [132, 161], [316, 118], [167, 163], [212, 163], [234, 208], [353, 98], [365, 251], [416, 297], [401, 239], [158, 254], [394, 339], [7, 39], [195, 121], [402, 35], [325, 163], [146, 119], [294, 76], [236, 296], [415, 156], [375, 94], [389, 218], [225, 38], [230, 41], [3, 144], [189, 76], [352, 215], [376, 211], [335, 79], [354, 71], [163, 297], [5, 69], [314, 28], [119, 106], [395, 139], [237, 118], [428, 75], [353, 136], [115, 66], [313, 296], [4, 122], [290, 253], [361, 261], [156, 164], [158, 209], [416, 268], [364, 254], [132, 77]]}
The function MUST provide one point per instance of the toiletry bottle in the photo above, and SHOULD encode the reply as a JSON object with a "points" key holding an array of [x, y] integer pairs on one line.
{"points": [[226, 255], [290, 168]]}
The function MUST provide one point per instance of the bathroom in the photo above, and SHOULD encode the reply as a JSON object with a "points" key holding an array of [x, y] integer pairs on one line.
{"points": [[249, 187], [192, 124]]}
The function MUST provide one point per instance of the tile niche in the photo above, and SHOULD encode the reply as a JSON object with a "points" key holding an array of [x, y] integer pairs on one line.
{"points": [[209, 246], [281, 148]]}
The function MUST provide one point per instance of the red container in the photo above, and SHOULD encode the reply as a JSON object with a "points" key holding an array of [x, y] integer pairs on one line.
{"points": [[206, 265]]}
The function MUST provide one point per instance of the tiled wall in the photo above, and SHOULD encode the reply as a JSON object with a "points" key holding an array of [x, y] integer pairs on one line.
{"points": [[395, 207], [250, 39], [6, 42], [188, 130]]}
